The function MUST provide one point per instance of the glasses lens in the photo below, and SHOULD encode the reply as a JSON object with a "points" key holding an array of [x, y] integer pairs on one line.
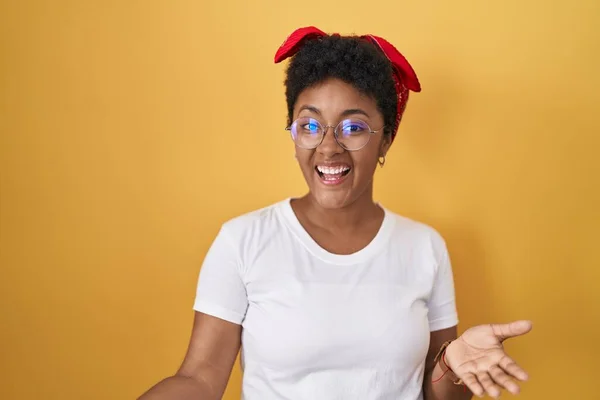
{"points": [[307, 132], [353, 133]]}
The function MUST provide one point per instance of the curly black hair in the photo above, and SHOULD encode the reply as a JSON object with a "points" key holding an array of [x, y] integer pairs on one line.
{"points": [[351, 59]]}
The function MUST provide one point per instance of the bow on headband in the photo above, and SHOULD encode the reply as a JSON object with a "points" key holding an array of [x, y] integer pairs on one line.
{"points": [[405, 78]]}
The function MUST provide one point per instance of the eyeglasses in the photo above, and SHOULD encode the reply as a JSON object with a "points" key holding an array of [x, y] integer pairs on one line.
{"points": [[351, 134]]}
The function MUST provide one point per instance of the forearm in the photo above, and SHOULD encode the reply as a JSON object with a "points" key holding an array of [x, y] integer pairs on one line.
{"points": [[181, 388], [435, 388]]}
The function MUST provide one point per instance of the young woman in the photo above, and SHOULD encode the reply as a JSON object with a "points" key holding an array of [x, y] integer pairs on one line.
{"points": [[331, 295]]}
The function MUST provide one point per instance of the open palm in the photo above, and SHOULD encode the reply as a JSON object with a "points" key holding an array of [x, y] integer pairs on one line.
{"points": [[478, 358]]}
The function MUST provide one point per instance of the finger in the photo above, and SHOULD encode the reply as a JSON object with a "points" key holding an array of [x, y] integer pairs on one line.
{"points": [[474, 386], [513, 369], [516, 328], [503, 380], [488, 384]]}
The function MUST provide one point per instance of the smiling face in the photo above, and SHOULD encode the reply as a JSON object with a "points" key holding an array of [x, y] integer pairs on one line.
{"points": [[335, 176]]}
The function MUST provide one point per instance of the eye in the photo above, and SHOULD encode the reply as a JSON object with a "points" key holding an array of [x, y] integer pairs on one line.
{"points": [[310, 126], [354, 127]]}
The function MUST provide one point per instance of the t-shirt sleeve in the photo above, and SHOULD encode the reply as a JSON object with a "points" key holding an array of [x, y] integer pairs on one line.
{"points": [[442, 302], [220, 290]]}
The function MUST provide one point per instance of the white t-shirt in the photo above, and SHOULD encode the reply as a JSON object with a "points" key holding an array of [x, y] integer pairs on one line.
{"points": [[317, 325]]}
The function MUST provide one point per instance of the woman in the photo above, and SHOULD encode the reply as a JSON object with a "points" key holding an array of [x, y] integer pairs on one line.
{"points": [[332, 295]]}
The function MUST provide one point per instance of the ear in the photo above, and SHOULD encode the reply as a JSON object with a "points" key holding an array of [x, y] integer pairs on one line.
{"points": [[386, 142]]}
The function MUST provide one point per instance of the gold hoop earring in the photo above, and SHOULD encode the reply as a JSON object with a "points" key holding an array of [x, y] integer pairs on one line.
{"points": [[381, 161]]}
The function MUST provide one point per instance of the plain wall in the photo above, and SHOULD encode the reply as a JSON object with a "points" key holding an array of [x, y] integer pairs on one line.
{"points": [[130, 130]]}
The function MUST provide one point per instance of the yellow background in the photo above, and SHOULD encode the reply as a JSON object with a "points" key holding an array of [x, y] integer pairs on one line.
{"points": [[130, 130]]}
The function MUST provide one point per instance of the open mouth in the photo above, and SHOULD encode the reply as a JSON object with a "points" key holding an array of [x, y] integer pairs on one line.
{"points": [[332, 175]]}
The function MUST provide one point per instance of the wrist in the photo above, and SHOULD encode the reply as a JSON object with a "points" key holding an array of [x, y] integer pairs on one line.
{"points": [[446, 365]]}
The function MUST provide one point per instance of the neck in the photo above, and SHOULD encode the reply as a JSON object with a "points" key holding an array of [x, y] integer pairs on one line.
{"points": [[345, 218]]}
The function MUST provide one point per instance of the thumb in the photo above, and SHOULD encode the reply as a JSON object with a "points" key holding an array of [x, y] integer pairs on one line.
{"points": [[515, 328]]}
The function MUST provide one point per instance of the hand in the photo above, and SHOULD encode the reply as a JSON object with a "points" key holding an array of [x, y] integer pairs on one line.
{"points": [[478, 358]]}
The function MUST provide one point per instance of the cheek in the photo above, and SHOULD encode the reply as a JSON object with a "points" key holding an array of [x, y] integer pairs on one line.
{"points": [[304, 159], [365, 163], [365, 168]]}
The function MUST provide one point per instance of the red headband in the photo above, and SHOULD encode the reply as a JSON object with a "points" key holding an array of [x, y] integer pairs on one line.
{"points": [[405, 78]]}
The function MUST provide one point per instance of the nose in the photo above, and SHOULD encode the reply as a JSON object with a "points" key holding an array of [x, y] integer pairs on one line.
{"points": [[329, 145]]}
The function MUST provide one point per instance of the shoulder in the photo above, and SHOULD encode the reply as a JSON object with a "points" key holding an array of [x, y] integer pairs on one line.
{"points": [[254, 223], [417, 234]]}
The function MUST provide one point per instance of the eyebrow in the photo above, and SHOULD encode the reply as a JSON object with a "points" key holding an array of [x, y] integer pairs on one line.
{"points": [[345, 113]]}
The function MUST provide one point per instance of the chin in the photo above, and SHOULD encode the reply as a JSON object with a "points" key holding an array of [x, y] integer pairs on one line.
{"points": [[332, 200]]}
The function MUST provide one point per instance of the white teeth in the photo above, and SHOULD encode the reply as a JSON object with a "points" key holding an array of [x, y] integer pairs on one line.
{"points": [[332, 170]]}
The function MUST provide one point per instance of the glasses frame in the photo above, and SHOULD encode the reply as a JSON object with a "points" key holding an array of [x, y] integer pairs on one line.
{"points": [[325, 129]]}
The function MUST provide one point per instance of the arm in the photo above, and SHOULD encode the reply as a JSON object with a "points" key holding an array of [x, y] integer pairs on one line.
{"points": [[443, 319], [477, 357], [204, 373], [444, 388], [220, 305]]}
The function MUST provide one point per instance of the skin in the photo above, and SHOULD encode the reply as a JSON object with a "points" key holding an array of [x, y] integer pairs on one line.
{"points": [[213, 347], [327, 212], [347, 211]]}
